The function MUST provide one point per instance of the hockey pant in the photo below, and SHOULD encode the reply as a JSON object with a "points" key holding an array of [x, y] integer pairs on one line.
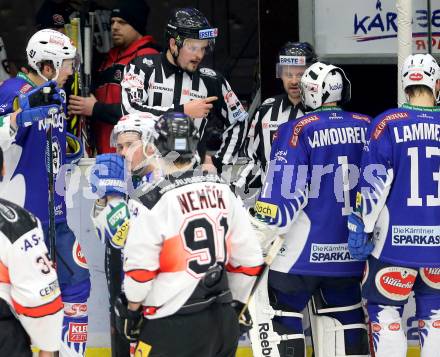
{"points": [[340, 317], [114, 275], [14, 341], [387, 288], [212, 332], [74, 278]]}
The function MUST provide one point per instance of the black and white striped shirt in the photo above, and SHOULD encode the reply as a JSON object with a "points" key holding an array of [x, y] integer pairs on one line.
{"points": [[152, 84], [270, 115]]}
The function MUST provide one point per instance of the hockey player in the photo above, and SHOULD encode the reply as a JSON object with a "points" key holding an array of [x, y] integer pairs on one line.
{"points": [[188, 255], [397, 216], [307, 198], [30, 301], [293, 59], [110, 215], [173, 81], [51, 57]]}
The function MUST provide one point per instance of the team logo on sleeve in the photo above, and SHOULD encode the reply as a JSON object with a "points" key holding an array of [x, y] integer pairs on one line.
{"points": [[431, 277], [78, 255], [395, 283], [299, 127], [8, 213], [266, 209]]}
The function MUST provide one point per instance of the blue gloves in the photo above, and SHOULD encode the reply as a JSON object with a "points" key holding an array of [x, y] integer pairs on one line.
{"points": [[359, 243], [38, 105], [108, 175]]}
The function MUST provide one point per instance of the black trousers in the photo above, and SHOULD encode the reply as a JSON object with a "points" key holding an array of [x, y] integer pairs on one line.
{"points": [[113, 271], [14, 341], [213, 332]]}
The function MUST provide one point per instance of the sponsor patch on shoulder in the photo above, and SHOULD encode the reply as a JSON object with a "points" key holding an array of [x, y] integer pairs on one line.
{"points": [[361, 117], [266, 209], [380, 127], [208, 72], [268, 101], [299, 127]]}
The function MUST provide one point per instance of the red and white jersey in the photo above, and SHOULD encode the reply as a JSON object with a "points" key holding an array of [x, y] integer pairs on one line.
{"points": [[178, 230], [28, 282]]}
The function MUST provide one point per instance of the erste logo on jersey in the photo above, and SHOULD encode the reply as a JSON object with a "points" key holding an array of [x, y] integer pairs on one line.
{"points": [[299, 127], [395, 283], [431, 277]]}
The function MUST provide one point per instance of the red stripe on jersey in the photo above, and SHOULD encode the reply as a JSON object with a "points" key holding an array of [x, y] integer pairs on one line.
{"points": [[173, 256], [39, 311], [252, 271], [4, 274], [141, 276]]}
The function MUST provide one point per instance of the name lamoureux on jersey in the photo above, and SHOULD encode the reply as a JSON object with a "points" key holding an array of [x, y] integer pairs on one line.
{"points": [[166, 255], [152, 84], [310, 190], [28, 282], [26, 179], [403, 210]]}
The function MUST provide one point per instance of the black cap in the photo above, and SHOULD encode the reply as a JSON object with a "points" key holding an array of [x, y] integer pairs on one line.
{"points": [[135, 12]]}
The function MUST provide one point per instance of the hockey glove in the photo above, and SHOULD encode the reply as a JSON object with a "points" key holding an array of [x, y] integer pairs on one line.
{"points": [[39, 104], [128, 323], [266, 234], [244, 317], [108, 175], [112, 222], [359, 242]]}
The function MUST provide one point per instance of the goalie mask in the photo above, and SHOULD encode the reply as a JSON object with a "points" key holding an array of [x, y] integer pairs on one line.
{"points": [[420, 69], [176, 132], [322, 83], [294, 55], [53, 46]]}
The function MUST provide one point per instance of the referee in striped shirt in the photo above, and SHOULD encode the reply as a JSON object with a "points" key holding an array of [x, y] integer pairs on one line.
{"points": [[294, 58]]}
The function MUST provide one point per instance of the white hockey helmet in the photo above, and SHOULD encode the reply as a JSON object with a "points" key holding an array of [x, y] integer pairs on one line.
{"points": [[49, 45], [322, 83], [420, 69], [139, 122]]}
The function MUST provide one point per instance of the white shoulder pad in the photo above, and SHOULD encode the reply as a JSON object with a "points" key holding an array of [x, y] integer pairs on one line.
{"points": [[208, 72], [268, 101]]}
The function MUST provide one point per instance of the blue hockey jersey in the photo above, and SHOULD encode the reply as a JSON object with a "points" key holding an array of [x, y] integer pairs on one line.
{"points": [[310, 190], [26, 180], [400, 186]]}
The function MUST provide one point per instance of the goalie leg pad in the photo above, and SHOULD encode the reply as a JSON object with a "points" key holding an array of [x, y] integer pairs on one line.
{"points": [[264, 339], [386, 332], [337, 319], [428, 313]]}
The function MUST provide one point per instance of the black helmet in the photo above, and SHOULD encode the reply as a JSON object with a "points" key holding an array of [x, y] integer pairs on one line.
{"points": [[189, 23], [297, 49], [176, 132]]}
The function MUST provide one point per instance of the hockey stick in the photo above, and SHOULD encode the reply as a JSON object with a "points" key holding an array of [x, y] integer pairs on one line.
{"points": [[268, 260], [49, 153]]}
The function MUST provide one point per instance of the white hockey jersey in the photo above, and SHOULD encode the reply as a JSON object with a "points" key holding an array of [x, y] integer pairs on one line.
{"points": [[178, 230], [28, 282]]}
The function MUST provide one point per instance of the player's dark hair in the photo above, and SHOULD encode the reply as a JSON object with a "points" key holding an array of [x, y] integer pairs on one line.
{"points": [[417, 90]]}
